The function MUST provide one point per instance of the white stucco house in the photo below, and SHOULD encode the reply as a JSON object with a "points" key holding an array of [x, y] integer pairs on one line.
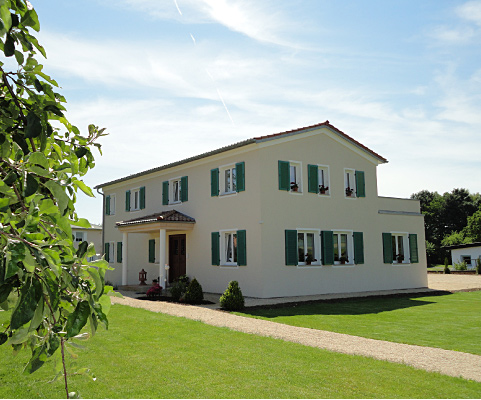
{"points": [[465, 252], [90, 235], [288, 214]]}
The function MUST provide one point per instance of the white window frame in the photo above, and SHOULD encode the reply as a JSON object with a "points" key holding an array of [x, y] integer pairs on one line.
{"points": [[317, 247], [295, 176], [349, 244], [175, 190], [82, 234], [231, 188], [350, 182], [224, 234], [133, 193], [112, 204], [111, 252], [405, 244], [323, 179]]}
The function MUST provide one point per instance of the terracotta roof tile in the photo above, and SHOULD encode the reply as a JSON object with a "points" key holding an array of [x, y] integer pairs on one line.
{"points": [[164, 216]]}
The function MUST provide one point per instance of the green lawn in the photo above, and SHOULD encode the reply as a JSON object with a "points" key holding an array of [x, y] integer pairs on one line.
{"points": [[451, 321], [150, 355]]}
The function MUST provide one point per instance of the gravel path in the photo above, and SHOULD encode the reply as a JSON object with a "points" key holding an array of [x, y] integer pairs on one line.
{"points": [[447, 362]]}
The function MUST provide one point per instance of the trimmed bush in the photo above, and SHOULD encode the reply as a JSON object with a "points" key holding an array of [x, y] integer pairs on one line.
{"points": [[446, 268], [178, 288], [478, 266], [194, 294], [461, 266], [232, 299]]}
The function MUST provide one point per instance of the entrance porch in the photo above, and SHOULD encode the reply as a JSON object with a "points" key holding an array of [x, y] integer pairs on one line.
{"points": [[167, 236]]}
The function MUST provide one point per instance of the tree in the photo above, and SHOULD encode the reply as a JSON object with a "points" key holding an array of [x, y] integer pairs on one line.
{"points": [[473, 228], [52, 287]]}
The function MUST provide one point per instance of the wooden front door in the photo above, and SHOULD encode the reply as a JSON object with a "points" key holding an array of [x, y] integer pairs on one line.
{"points": [[176, 256]]}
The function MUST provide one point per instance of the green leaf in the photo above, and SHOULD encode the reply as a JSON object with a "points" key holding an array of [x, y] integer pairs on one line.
{"points": [[29, 262], [81, 223], [82, 249], [59, 194], [27, 303], [34, 126], [6, 17], [19, 336], [30, 18], [38, 316], [38, 159], [80, 152], [77, 320], [9, 48], [3, 338], [39, 356], [5, 291], [98, 281], [83, 187], [31, 186]]}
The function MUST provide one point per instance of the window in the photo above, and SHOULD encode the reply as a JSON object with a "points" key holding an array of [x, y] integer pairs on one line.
{"points": [[354, 183], [110, 204], [318, 179], [79, 236], [342, 247], [109, 252], [290, 176], [466, 259], [227, 179], [178, 191], [135, 199], [302, 247], [229, 248], [400, 248]]}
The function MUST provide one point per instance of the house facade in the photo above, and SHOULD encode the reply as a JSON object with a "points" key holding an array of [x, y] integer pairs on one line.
{"points": [[468, 253], [289, 214], [90, 235]]}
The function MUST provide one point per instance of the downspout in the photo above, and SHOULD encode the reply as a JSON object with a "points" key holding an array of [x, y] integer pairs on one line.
{"points": [[103, 220]]}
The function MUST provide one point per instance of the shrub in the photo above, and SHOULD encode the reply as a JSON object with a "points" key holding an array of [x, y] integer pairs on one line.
{"points": [[178, 288], [462, 266], [194, 294], [446, 268], [232, 299], [478, 266]]}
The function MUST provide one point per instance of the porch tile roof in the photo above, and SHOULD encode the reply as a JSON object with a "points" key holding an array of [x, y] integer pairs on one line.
{"points": [[164, 216]]}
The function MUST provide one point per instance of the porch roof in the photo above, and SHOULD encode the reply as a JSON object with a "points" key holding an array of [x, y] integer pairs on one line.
{"points": [[169, 217]]}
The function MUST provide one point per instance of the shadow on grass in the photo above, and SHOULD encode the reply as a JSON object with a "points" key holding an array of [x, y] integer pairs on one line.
{"points": [[351, 306]]}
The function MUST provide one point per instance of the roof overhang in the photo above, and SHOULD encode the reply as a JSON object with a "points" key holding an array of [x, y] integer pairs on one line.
{"points": [[169, 220]]}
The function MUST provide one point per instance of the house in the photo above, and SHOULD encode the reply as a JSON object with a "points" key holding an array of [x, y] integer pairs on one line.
{"points": [[289, 214], [90, 235], [468, 253]]}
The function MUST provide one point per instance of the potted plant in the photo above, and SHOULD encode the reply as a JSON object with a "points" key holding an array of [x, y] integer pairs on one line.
{"points": [[323, 189], [349, 191], [294, 186], [400, 258], [309, 259], [343, 259]]}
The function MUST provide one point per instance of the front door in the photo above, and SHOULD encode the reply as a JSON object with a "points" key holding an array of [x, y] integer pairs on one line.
{"points": [[176, 256]]}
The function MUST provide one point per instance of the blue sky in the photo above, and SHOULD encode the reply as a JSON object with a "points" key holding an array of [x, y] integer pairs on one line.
{"points": [[170, 79]]}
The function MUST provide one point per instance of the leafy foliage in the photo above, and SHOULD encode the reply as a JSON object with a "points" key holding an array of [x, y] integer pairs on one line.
{"points": [[54, 289], [194, 294], [232, 299], [179, 287]]}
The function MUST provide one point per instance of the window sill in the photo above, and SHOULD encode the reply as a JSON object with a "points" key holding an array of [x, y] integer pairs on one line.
{"points": [[313, 265], [228, 194], [174, 203], [229, 266]]}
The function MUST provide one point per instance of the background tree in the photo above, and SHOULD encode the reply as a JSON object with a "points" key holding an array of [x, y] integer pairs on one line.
{"points": [[47, 286]]}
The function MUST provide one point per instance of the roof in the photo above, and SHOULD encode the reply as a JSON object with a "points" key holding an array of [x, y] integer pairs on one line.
{"points": [[165, 216], [92, 227], [462, 246], [259, 139]]}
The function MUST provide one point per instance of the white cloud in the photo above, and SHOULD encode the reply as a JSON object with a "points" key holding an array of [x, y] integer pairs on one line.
{"points": [[453, 35], [470, 11]]}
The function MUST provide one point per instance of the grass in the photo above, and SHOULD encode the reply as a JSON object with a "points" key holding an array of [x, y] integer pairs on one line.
{"points": [[451, 321], [151, 355], [439, 267]]}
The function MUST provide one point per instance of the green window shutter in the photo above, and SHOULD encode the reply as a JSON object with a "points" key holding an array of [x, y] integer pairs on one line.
{"points": [[358, 240], [327, 247], [151, 250], [241, 248], [184, 189], [215, 248], [291, 247], [387, 247], [107, 252], [240, 176], [165, 193], [142, 197], [284, 183], [119, 252], [214, 183], [127, 200], [312, 178], [360, 184], [413, 248], [107, 205]]}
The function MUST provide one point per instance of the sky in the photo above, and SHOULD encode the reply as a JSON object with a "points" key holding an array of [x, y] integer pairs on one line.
{"points": [[171, 79]]}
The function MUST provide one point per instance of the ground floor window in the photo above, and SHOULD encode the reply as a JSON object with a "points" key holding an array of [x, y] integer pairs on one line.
{"points": [[229, 248], [400, 248], [307, 248]]}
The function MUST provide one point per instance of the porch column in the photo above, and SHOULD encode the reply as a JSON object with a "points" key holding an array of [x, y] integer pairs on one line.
{"points": [[162, 258], [125, 242]]}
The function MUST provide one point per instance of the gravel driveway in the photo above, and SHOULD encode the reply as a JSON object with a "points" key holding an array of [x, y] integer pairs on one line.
{"points": [[447, 362]]}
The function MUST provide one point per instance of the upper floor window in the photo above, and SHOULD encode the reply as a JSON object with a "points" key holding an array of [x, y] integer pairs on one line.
{"points": [[79, 236], [175, 191], [229, 248], [354, 183], [290, 176], [318, 179], [110, 204], [227, 179], [135, 199]]}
